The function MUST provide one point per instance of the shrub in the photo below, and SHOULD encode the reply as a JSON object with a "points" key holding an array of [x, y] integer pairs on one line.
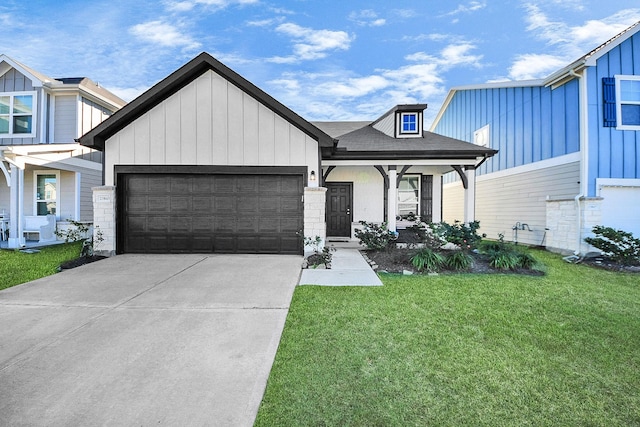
{"points": [[374, 236], [319, 256], [507, 256], [463, 235], [458, 260], [427, 259], [619, 245], [504, 260]]}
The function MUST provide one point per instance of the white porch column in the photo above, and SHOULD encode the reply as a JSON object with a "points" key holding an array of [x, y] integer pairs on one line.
{"points": [[470, 196], [392, 198], [436, 211], [16, 208]]}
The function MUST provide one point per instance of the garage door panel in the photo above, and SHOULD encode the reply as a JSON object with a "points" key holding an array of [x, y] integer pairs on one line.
{"points": [[224, 204], [157, 184], [158, 224], [224, 184], [202, 204], [139, 204], [290, 225], [248, 204], [211, 213], [181, 185], [158, 203]]}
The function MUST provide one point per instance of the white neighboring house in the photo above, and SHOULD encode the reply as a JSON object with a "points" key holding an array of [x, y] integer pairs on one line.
{"points": [[44, 171]]}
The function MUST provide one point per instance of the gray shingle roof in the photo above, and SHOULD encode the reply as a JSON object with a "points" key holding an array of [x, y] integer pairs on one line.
{"points": [[369, 143]]}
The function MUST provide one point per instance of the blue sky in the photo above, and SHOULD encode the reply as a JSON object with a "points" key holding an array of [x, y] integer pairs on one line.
{"points": [[326, 60]]}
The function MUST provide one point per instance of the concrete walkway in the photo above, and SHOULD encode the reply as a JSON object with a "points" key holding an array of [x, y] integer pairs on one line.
{"points": [[348, 268], [144, 340]]}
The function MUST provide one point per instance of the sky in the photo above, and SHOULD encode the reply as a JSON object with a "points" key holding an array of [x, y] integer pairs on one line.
{"points": [[326, 60]]}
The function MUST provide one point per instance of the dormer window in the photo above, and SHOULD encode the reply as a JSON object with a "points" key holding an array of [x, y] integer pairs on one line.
{"points": [[409, 123]]}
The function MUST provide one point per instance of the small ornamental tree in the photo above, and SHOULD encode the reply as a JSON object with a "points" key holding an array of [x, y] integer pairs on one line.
{"points": [[619, 245]]}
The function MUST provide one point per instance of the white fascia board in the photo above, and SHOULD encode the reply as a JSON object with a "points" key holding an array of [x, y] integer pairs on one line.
{"points": [[61, 162], [418, 162], [35, 80], [530, 167], [75, 89], [25, 150], [444, 106]]}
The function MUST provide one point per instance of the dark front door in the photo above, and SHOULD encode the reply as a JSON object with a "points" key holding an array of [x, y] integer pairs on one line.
{"points": [[339, 209]]}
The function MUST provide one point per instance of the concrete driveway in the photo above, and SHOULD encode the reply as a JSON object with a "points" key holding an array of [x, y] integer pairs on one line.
{"points": [[144, 339]]}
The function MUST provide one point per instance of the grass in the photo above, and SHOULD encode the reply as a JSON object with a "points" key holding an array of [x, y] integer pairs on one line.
{"points": [[17, 267], [482, 350]]}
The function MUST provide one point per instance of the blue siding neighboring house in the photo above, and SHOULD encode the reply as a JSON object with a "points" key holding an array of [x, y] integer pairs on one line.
{"points": [[569, 148]]}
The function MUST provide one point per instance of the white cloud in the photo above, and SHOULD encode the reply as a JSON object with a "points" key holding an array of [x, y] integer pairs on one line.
{"points": [[566, 42], [472, 6], [342, 95], [266, 22], [535, 66], [367, 18], [310, 44], [187, 5], [163, 34]]}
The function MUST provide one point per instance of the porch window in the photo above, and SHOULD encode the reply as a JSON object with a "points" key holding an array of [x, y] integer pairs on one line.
{"points": [[628, 102], [46, 193], [17, 114], [409, 196]]}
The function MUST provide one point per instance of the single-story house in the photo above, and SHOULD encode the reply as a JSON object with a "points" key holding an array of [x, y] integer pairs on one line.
{"points": [[205, 161], [569, 149], [46, 177]]}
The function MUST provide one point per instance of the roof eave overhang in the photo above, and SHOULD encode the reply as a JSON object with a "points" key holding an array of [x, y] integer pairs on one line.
{"points": [[410, 155]]}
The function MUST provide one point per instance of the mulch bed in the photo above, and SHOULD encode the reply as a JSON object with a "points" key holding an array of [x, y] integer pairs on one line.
{"points": [[398, 260], [80, 261], [609, 264]]}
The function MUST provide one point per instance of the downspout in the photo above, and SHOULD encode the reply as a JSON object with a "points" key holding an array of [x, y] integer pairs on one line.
{"points": [[584, 155]]}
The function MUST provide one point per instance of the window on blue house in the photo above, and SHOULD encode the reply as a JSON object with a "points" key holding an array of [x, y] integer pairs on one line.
{"points": [[628, 102], [409, 123]]}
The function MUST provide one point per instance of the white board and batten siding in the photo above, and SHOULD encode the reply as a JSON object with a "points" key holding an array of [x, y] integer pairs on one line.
{"points": [[210, 121], [503, 200]]}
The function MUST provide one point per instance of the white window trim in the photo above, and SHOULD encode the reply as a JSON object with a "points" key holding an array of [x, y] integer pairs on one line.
{"points": [[418, 132], [34, 115], [482, 136], [619, 103], [35, 189]]}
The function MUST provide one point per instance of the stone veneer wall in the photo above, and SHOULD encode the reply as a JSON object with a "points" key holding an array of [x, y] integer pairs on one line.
{"points": [[562, 224], [104, 219], [314, 213]]}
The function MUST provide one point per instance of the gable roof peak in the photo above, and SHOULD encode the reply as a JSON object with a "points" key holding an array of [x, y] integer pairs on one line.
{"points": [[179, 79]]}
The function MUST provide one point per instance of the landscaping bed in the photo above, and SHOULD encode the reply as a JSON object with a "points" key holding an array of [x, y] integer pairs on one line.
{"points": [[398, 260]]}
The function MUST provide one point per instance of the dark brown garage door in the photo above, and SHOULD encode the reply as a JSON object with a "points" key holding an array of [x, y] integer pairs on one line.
{"points": [[204, 213]]}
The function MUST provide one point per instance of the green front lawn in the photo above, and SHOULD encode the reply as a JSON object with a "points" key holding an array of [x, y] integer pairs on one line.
{"points": [[493, 350], [17, 267]]}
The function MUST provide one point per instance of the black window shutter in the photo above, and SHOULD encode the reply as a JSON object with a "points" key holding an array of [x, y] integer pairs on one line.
{"points": [[609, 101]]}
